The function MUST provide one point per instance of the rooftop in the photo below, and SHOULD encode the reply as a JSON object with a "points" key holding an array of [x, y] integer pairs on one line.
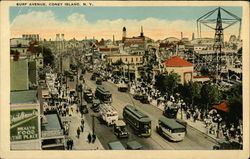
{"points": [[53, 122], [23, 97], [177, 62], [171, 123]]}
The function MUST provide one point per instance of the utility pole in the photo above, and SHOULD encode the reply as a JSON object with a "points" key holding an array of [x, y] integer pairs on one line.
{"points": [[93, 124]]}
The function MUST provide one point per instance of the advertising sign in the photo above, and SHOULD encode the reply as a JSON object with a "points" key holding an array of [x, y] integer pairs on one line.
{"points": [[24, 124]]}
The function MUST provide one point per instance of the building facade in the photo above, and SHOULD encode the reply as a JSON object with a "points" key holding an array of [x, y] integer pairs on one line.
{"points": [[183, 68]]}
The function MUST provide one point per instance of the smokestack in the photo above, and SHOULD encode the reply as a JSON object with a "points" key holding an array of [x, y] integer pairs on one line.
{"points": [[193, 36], [181, 35]]}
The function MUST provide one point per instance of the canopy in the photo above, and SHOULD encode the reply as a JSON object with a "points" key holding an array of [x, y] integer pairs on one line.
{"points": [[223, 106]]}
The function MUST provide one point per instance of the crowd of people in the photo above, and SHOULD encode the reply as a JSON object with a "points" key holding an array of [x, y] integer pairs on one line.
{"points": [[222, 130]]}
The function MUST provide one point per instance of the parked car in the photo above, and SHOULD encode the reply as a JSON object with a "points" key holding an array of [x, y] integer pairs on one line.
{"points": [[117, 145], [144, 99], [99, 81], [96, 105], [137, 96], [134, 145]]}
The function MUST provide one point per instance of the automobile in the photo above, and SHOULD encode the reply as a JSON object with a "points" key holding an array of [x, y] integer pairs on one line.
{"points": [[134, 145], [83, 108], [123, 87], [116, 145], [96, 105], [137, 96], [144, 99], [120, 130], [170, 110], [99, 81], [88, 96]]}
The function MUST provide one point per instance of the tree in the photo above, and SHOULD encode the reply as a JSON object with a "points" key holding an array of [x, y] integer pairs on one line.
{"points": [[168, 83], [190, 92], [48, 57], [234, 96], [210, 94]]}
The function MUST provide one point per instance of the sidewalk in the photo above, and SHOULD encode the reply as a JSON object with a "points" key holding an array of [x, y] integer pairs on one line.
{"points": [[82, 142], [198, 125]]}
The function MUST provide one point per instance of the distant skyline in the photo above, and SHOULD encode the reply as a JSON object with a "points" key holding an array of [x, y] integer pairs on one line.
{"points": [[158, 22]]}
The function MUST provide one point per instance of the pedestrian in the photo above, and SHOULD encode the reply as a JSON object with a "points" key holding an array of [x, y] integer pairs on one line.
{"points": [[68, 144], [89, 138], [82, 127], [93, 138], [71, 144], [82, 122], [78, 132]]}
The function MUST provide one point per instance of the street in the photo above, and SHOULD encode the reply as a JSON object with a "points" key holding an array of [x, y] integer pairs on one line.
{"points": [[193, 140]]}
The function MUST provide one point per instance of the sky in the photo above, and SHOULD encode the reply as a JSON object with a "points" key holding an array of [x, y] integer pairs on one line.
{"points": [[158, 22]]}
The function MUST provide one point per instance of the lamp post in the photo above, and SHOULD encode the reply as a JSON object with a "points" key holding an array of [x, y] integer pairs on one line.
{"points": [[93, 123], [182, 104]]}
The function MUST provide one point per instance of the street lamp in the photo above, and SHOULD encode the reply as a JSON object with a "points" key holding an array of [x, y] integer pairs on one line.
{"points": [[182, 104], [93, 123]]}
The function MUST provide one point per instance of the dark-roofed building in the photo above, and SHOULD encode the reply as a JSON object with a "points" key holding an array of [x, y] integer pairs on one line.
{"points": [[52, 133], [180, 66]]}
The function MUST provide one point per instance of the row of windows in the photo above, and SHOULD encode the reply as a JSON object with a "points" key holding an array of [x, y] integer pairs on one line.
{"points": [[131, 59]]}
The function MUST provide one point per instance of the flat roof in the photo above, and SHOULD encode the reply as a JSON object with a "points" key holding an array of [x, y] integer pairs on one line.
{"points": [[23, 97], [172, 123], [53, 122]]}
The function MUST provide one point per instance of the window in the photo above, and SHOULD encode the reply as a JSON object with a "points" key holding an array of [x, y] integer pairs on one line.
{"points": [[126, 59], [136, 59], [132, 59]]}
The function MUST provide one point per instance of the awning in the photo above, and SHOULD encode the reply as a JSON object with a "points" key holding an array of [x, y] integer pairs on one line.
{"points": [[223, 106]]}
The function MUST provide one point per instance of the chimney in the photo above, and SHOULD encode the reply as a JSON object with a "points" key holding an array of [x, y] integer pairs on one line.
{"points": [[181, 35]]}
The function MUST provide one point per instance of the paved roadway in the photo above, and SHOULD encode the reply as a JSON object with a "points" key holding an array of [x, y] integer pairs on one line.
{"points": [[194, 139]]}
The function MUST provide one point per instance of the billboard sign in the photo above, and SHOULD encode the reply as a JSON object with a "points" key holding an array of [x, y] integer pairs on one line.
{"points": [[24, 124]]}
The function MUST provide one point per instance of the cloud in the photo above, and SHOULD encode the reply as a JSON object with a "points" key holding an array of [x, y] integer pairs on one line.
{"points": [[76, 25]]}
